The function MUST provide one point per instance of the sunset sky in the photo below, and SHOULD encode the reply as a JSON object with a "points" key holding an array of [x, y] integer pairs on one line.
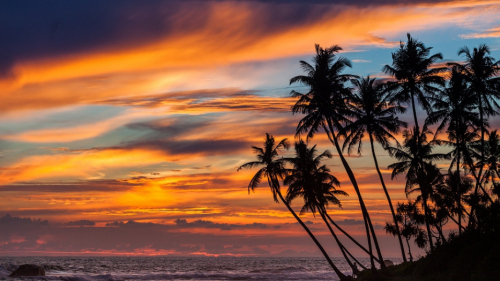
{"points": [[122, 123]]}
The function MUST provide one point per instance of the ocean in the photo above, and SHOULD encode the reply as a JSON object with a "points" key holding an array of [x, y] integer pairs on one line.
{"points": [[178, 268]]}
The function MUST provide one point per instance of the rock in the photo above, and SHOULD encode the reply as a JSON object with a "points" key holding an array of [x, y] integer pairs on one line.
{"points": [[388, 263], [28, 270]]}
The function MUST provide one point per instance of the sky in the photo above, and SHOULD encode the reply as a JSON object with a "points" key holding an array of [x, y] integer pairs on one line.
{"points": [[122, 123]]}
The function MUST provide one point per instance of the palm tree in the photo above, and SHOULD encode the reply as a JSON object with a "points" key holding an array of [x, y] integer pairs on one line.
{"points": [[454, 110], [439, 211], [315, 184], [491, 159], [451, 195], [480, 71], [274, 169], [375, 115], [416, 79], [325, 107], [416, 159]]}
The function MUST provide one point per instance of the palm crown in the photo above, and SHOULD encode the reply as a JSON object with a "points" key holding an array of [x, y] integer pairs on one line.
{"points": [[273, 170], [311, 180]]}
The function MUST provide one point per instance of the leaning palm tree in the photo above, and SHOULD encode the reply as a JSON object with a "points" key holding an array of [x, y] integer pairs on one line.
{"points": [[480, 71], [325, 107], [416, 78], [375, 115], [313, 182], [274, 170], [415, 160]]}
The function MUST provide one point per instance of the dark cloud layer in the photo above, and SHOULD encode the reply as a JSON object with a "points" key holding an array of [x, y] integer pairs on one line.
{"points": [[25, 235], [57, 187], [81, 223], [221, 226], [43, 29]]}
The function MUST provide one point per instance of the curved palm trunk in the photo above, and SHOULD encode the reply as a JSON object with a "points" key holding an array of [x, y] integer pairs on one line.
{"points": [[459, 194], [388, 198], [372, 263], [415, 119], [427, 222], [368, 223], [456, 222], [341, 247], [481, 118], [352, 239], [352, 257], [337, 271], [417, 135]]}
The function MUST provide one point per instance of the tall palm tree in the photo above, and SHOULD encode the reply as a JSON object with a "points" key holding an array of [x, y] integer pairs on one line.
{"points": [[274, 170], [480, 71], [415, 160], [313, 182], [325, 107], [454, 110], [374, 114], [416, 78]]}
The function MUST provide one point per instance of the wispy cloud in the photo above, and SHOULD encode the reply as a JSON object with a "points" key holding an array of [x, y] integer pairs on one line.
{"points": [[490, 33]]}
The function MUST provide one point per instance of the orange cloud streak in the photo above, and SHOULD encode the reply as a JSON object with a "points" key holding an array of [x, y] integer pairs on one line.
{"points": [[176, 61]]}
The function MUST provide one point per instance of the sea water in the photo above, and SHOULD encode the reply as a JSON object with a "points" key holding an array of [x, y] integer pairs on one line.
{"points": [[178, 268]]}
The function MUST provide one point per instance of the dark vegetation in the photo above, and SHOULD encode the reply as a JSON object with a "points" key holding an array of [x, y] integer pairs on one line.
{"points": [[460, 100]]}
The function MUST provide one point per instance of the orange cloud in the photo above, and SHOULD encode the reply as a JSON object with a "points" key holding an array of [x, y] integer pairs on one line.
{"points": [[184, 59], [490, 33], [91, 164]]}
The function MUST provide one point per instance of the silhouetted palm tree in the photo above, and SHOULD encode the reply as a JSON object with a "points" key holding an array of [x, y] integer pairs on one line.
{"points": [[416, 159], [454, 110], [313, 182], [375, 115], [274, 169], [480, 71], [439, 211], [451, 196], [325, 106], [416, 79], [491, 159]]}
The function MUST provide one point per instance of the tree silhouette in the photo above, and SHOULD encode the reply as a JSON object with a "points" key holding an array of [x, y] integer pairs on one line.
{"points": [[416, 80], [491, 159], [480, 70], [274, 170], [375, 115], [416, 159], [310, 180], [451, 196], [410, 219], [454, 110], [325, 107]]}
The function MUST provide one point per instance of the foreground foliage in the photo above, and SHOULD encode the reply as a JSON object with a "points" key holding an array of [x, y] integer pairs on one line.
{"points": [[472, 256]]}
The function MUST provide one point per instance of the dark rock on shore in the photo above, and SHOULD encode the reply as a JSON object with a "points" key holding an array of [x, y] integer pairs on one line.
{"points": [[28, 270]]}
